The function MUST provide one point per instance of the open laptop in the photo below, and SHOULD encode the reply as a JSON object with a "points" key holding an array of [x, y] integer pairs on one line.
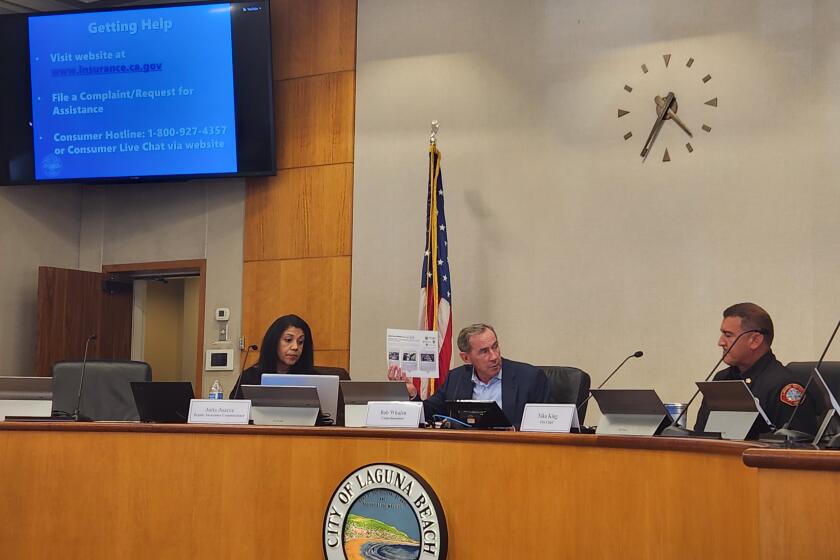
{"points": [[281, 396], [483, 415], [357, 395], [631, 412], [281, 405], [362, 392], [734, 412], [163, 402], [327, 386]]}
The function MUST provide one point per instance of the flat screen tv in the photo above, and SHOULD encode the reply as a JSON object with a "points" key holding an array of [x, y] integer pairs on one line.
{"points": [[162, 92]]}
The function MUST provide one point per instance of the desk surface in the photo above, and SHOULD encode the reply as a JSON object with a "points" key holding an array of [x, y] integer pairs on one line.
{"points": [[586, 440], [104, 490]]}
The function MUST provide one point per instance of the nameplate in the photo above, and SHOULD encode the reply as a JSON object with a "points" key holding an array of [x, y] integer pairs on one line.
{"points": [[213, 411], [382, 414], [559, 418]]}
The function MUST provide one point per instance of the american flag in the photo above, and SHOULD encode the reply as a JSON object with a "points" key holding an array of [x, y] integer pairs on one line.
{"points": [[435, 284]]}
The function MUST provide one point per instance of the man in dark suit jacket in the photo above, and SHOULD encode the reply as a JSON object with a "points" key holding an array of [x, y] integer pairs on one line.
{"points": [[485, 376]]}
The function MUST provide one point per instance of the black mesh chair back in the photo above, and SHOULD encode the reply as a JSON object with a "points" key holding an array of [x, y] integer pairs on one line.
{"points": [[568, 385], [830, 371]]}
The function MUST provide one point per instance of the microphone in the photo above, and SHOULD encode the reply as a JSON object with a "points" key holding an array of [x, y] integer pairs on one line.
{"points": [[76, 416], [247, 351], [785, 434], [675, 430], [583, 429], [235, 392], [636, 354]]}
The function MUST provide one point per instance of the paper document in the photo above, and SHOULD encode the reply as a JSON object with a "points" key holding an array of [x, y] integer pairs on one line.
{"points": [[416, 352]]}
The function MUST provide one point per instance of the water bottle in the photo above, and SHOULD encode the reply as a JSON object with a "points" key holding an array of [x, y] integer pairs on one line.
{"points": [[216, 390]]}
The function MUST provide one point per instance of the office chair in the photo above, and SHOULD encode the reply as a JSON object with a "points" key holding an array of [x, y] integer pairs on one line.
{"points": [[830, 372], [568, 385], [328, 370], [106, 395]]}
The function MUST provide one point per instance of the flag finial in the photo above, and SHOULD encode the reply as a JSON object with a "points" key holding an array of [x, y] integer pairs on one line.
{"points": [[433, 135]]}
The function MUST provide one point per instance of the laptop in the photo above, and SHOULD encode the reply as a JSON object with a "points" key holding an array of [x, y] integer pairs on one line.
{"points": [[362, 392], [483, 415], [327, 386], [25, 397], [280, 405], [25, 388], [357, 395], [630, 412], [281, 396], [163, 402]]}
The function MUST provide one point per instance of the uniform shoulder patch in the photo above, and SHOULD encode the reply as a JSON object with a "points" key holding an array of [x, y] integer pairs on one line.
{"points": [[791, 394]]}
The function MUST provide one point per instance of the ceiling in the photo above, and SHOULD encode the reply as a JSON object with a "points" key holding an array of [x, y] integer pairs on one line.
{"points": [[22, 6]]}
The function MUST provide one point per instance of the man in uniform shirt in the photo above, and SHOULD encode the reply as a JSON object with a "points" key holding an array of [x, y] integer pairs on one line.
{"points": [[485, 375], [750, 359]]}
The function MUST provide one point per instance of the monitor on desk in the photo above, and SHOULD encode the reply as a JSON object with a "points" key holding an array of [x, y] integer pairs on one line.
{"points": [[362, 392], [327, 386], [483, 415], [25, 396], [162, 402]]}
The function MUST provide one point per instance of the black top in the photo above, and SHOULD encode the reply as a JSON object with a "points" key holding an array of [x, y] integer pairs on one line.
{"points": [[778, 390], [521, 384], [253, 376]]}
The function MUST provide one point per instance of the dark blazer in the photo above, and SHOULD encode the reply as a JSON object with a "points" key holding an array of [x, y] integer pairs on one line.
{"points": [[521, 384]]}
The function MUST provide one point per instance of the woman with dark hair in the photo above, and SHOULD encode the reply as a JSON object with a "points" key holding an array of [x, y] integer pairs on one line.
{"points": [[287, 347]]}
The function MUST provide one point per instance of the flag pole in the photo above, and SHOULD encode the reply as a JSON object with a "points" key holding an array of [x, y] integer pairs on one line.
{"points": [[433, 171]]}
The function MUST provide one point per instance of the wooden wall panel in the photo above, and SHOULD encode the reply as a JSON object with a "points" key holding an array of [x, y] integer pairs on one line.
{"points": [[316, 289], [798, 513], [303, 212], [315, 119], [298, 225], [312, 37]]}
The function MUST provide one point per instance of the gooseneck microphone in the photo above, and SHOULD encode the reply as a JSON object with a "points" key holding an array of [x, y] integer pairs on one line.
{"points": [[675, 430], [636, 354], [235, 392], [787, 435], [76, 416], [245, 359]]}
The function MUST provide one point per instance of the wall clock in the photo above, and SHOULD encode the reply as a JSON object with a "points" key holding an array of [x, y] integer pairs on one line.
{"points": [[668, 96]]}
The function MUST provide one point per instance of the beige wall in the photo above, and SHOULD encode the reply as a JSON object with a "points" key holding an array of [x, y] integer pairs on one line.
{"points": [[576, 251], [39, 226], [163, 326], [170, 328], [174, 221]]}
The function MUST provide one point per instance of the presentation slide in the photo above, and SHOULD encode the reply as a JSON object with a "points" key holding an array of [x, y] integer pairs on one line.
{"points": [[133, 93]]}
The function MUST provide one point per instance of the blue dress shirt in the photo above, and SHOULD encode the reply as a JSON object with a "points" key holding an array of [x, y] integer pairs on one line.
{"points": [[490, 391]]}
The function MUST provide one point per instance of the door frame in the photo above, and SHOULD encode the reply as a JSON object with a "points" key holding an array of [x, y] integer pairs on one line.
{"points": [[188, 267]]}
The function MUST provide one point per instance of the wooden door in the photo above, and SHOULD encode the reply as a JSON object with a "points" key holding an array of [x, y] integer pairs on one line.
{"points": [[74, 304]]}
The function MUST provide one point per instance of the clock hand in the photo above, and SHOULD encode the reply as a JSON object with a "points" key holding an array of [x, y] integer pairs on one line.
{"points": [[657, 124], [660, 103]]}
